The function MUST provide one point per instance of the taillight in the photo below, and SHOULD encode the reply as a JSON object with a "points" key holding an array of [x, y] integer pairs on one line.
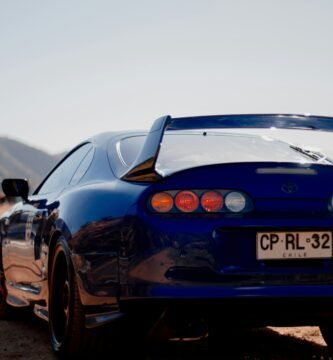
{"points": [[162, 202], [212, 201], [235, 201], [200, 201], [187, 201]]}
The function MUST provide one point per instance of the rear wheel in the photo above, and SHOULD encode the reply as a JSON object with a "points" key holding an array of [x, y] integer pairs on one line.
{"points": [[65, 313]]}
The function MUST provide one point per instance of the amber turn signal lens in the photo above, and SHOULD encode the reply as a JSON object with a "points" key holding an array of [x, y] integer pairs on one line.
{"points": [[162, 202], [187, 201], [212, 201]]}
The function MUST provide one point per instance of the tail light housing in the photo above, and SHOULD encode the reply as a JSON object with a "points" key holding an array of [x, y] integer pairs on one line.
{"points": [[200, 201], [162, 202], [212, 201], [235, 201], [187, 201]]}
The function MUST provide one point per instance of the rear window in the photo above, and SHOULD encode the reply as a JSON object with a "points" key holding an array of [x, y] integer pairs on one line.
{"points": [[181, 150]]}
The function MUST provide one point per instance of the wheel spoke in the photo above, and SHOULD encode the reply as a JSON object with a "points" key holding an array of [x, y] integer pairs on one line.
{"points": [[60, 301], [65, 298]]}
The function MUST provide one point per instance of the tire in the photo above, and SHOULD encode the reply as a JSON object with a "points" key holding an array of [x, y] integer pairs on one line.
{"points": [[66, 317]]}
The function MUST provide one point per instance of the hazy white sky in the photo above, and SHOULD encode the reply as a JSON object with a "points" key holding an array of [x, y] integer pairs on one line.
{"points": [[73, 68]]}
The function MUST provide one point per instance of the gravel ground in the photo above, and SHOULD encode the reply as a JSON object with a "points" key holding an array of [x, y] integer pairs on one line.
{"points": [[26, 337]]}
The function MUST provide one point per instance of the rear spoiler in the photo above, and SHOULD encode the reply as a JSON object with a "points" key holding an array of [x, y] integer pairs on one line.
{"points": [[143, 169]]}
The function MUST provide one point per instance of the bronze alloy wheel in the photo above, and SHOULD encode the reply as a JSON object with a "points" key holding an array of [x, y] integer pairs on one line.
{"points": [[66, 316]]}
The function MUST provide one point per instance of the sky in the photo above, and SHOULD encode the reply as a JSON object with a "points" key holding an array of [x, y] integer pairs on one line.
{"points": [[70, 69]]}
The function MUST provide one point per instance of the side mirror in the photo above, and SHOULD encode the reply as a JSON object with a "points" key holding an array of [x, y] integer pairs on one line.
{"points": [[16, 188]]}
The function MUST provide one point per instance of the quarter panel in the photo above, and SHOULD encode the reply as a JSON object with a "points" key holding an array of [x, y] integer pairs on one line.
{"points": [[97, 222]]}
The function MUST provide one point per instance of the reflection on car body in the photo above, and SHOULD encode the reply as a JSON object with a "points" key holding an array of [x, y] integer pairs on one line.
{"points": [[197, 223]]}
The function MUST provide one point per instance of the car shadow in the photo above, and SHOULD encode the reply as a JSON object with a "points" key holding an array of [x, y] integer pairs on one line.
{"points": [[253, 344], [24, 336]]}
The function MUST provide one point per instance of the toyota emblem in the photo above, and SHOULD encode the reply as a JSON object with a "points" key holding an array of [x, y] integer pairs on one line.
{"points": [[289, 188]]}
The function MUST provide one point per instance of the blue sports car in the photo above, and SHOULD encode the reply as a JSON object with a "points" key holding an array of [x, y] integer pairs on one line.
{"points": [[198, 223]]}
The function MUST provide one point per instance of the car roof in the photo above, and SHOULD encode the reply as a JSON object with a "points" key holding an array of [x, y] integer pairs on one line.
{"points": [[102, 138]]}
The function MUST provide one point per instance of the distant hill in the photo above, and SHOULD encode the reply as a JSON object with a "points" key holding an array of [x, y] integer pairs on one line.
{"points": [[19, 160]]}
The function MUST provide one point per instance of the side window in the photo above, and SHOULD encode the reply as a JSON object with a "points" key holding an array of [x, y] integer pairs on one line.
{"points": [[124, 152], [83, 167], [63, 174], [129, 149]]}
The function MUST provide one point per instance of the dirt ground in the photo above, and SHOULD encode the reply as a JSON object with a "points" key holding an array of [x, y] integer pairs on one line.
{"points": [[26, 337]]}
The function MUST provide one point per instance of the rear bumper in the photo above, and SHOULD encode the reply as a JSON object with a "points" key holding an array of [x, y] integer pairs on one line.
{"points": [[221, 305], [166, 261], [216, 292], [253, 306]]}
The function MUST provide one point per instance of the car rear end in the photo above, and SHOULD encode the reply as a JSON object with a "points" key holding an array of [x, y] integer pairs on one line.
{"points": [[245, 235]]}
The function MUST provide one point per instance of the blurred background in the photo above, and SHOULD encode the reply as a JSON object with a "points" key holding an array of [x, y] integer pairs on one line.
{"points": [[71, 69]]}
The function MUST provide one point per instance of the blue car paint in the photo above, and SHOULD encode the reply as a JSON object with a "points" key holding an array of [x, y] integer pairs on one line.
{"points": [[123, 252]]}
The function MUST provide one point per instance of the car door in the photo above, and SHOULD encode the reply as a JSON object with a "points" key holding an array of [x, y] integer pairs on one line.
{"points": [[24, 245], [19, 258]]}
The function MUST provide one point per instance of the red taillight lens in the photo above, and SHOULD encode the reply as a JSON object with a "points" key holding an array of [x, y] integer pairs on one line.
{"points": [[162, 202], [187, 201], [212, 201]]}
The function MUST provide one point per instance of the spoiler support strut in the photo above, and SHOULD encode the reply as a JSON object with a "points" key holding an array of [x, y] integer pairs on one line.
{"points": [[143, 169]]}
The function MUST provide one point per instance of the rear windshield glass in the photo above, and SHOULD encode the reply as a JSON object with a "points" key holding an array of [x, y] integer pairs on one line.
{"points": [[186, 149]]}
